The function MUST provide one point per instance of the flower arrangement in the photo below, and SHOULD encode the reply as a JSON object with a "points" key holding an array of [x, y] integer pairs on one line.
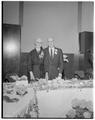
{"points": [[60, 83], [8, 88], [65, 57], [12, 77], [71, 113], [80, 109], [41, 55], [55, 51], [21, 90], [24, 77]]}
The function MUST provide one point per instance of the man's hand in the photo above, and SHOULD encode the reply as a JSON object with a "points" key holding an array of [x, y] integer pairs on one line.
{"points": [[31, 75], [59, 76], [46, 76]]}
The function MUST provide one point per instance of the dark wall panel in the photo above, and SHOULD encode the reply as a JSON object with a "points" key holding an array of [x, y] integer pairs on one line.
{"points": [[86, 49], [85, 41], [11, 49]]}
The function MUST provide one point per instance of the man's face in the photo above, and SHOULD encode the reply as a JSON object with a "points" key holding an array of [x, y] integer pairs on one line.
{"points": [[38, 44], [50, 42]]}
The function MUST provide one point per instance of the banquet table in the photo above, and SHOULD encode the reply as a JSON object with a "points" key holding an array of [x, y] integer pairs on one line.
{"points": [[53, 98], [56, 103], [15, 109]]}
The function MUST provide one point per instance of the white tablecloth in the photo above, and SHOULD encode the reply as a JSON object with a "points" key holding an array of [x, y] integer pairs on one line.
{"points": [[16, 108], [56, 103]]}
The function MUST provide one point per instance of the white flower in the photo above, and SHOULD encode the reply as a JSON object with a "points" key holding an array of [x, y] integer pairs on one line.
{"points": [[24, 77], [65, 57], [71, 113], [43, 86], [87, 114], [41, 55], [55, 51], [83, 104], [66, 60], [33, 114], [75, 103], [21, 89], [90, 106]]}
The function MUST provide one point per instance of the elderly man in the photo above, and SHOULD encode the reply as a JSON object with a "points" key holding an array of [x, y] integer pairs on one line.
{"points": [[53, 61], [35, 63]]}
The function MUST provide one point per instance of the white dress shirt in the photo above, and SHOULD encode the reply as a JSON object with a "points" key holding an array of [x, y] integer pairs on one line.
{"points": [[38, 50], [51, 51]]}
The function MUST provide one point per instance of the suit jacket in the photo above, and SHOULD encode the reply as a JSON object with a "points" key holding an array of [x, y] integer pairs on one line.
{"points": [[54, 65], [36, 64]]}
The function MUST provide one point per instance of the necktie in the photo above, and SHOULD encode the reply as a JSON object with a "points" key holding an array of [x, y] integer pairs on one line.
{"points": [[52, 53]]}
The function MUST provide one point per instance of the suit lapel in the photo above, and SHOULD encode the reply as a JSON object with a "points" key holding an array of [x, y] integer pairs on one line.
{"points": [[48, 52], [37, 54], [54, 57], [54, 52]]}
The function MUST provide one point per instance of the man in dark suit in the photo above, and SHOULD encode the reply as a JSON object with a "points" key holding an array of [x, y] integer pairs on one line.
{"points": [[53, 61], [35, 61]]}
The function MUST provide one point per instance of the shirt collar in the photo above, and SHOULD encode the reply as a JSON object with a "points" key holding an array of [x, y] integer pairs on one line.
{"points": [[38, 50], [52, 48]]}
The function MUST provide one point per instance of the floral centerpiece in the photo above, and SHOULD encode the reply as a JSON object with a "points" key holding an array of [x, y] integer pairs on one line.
{"points": [[80, 109]]}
